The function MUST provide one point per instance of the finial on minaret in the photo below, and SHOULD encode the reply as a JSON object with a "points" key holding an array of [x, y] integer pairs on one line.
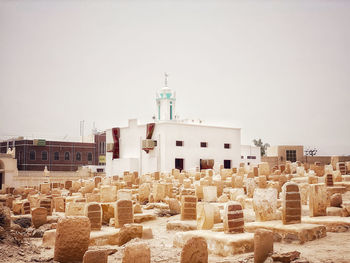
{"points": [[166, 75]]}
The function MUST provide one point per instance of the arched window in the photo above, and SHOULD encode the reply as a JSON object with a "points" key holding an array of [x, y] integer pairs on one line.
{"points": [[32, 155], [89, 157], [44, 155], [56, 156], [66, 156], [78, 156]]}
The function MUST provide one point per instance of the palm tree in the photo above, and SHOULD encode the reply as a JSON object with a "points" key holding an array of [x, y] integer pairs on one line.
{"points": [[263, 146]]}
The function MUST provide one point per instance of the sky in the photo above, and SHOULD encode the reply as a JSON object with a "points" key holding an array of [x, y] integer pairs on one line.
{"points": [[280, 70]]}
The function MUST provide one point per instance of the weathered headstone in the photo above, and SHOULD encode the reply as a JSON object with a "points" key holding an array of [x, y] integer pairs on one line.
{"points": [[159, 191], [209, 193], [144, 192], [124, 213], [329, 180], [46, 203], [68, 184], [233, 218], [94, 213], [291, 204], [188, 207], [39, 216], [205, 216], [318, 200], [72, 238], [25, 210], [263, 245], [265, 204], [195, 250]]}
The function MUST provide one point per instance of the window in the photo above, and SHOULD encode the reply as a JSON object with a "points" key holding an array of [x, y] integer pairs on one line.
{"points": [[251, 157], [78, 156], [204, 144], [56, 156], [179, 143], [89, 157], [227, 164], [291, 155], [227, 145], [66, 156], [32, 155], [44, 155]]}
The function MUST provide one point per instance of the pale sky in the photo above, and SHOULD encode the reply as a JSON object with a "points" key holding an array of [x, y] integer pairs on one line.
{"points": [[280, 70]]}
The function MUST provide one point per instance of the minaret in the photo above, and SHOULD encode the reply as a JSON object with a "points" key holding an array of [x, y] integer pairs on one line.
{"points": [[166, 99]]}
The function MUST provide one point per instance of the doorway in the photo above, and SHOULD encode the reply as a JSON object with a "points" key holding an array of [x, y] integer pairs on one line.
{"points": [[227, 164], [179, 164]]}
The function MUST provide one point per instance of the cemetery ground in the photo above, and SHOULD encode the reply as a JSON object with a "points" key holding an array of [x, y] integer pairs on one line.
{"points": [[292, 213], [335, 247]]}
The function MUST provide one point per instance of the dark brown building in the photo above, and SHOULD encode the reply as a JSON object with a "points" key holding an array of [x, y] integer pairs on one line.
{"points": [[34, 155]]}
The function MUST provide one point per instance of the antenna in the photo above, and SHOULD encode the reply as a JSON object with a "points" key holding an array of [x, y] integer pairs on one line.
{"points": [[82, 130], [166, 75]]}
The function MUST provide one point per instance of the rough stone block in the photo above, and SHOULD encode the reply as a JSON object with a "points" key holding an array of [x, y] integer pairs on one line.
{"points": [[72, 238]]}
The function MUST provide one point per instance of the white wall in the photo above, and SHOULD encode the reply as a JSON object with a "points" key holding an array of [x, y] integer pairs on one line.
{"points": [[162, 158], [248, 150], [193, 135]]}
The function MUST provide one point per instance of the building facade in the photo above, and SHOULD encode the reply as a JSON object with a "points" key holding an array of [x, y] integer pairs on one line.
{"points": [[34, 155], [168, 143]]}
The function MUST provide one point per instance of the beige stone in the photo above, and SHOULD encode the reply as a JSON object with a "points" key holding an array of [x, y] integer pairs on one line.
{"points": [[195, 250], [235, 192], [209, 193], [262, 181], [238, 181], [125, 194], [128, 232], [95, 256], [264, 168], [159, 191], [318, 200], [263, 245], [124, 213], [137, 209], [39, 216], [174, 206], [188, 207], [94, 212], [265, 204], [144, 192], [72, 238], [60, 204], [108, 193], [205, 216], [75, 209], [49, 238], [336, 200], [250, 186], [45, 188], [223, 198], [137, 253]]}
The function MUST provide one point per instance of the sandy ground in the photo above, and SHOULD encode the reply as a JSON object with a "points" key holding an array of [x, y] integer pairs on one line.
{"points": [[333, 248]]}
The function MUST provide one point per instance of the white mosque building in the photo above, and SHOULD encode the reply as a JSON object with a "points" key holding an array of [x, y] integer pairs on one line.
{"points": [[168, 143]]}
